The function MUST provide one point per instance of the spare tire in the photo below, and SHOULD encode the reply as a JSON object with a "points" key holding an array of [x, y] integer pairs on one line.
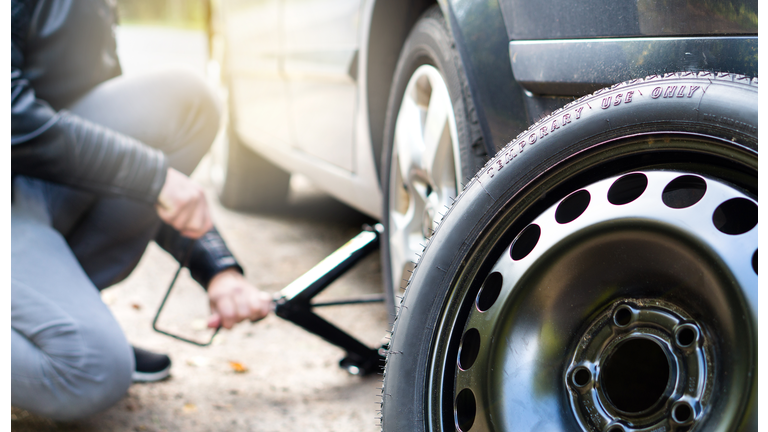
{"points": [[598, 274]]}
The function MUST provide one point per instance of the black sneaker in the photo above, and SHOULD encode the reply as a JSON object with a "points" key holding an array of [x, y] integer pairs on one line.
{"points": [[150, 367]]}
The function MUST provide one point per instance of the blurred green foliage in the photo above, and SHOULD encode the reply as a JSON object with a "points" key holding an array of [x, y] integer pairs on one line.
{"points": [[188, 14], [743, 12]]}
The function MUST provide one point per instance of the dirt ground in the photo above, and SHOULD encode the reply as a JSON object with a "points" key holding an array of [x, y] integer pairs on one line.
{"points": [[293, 381], [267, 376]]}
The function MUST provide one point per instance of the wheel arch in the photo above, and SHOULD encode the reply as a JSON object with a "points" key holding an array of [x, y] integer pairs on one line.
{"points": [[390, 23]]}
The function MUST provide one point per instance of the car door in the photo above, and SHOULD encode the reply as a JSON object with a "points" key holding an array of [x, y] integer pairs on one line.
{"points": [[257, 91], [320, 40]]}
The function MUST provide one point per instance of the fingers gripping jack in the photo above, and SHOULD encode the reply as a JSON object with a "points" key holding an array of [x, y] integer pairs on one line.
{"points": [[294, 303]]}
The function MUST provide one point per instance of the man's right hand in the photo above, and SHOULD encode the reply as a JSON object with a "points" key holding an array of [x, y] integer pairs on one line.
{"points": [[182, 205]]}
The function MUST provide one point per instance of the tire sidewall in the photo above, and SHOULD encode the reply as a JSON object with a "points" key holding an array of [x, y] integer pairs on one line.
{"points": [[723, 106]]}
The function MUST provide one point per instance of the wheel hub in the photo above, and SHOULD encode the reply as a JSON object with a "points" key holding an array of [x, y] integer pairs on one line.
{"points": [[641, 364]]}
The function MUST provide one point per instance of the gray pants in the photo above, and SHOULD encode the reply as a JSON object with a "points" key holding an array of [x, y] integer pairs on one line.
{"points": [[69, 357]]}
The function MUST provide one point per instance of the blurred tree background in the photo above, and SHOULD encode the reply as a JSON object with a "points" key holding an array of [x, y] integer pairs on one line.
{"points": [[187, 14]]}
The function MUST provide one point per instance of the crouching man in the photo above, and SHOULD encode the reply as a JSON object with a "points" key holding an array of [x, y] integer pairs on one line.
{"points": [[100, 166]]}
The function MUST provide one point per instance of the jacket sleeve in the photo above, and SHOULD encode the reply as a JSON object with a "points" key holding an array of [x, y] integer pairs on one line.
{"points": [[205, 257], [64, 148]]}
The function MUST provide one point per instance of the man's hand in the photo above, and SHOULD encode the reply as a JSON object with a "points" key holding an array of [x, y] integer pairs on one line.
{"points": [[234, 299], [182, 205]]}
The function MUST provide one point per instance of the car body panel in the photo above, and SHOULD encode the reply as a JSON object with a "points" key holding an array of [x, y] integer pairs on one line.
{"points": [[320, 39], [316, 105], [275, 81], [253, 65]]}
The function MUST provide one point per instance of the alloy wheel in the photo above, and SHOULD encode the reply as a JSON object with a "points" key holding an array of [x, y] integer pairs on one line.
{"points": [[425, 170]]}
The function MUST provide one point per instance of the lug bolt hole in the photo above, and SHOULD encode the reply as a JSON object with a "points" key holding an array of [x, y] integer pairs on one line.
{"points": [[623, 316], [735, 216], [525, 242], [686, 336], [489, 292], [470, 348], [466, 409], [572, 207], [684, 191], [615, 428], [682, 413], [627, 188], [581, 376]]}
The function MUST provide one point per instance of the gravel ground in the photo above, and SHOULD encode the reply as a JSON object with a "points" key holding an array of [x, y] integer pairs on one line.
{"points": [[267, 376]]}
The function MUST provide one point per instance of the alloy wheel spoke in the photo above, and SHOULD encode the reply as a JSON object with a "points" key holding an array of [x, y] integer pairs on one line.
{"points": [[409, 138], [437, 139], [423, 176]]}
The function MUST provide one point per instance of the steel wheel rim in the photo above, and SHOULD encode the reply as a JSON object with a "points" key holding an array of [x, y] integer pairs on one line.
{"points": [[448, 394], [424, 172]]}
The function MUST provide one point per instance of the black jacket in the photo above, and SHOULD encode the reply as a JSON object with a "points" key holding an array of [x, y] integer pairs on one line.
{"points": [[60, 49]]}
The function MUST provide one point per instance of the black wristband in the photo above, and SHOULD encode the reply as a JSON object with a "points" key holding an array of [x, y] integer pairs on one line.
{"points": [[208, 256]]}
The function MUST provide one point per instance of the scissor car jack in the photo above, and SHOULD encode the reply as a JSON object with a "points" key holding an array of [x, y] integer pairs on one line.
{"points": [[294, 303]]}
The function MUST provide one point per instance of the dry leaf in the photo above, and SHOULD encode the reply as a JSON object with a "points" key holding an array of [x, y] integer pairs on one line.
{"points": [[189, 408], [238, 367]]}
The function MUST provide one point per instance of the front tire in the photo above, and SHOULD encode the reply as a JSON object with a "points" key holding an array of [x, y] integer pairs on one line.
{"points": [[432, 145], [598, 274]]}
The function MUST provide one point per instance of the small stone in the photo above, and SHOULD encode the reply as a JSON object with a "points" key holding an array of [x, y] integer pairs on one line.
{"points": [[199, 324], [198, 361]]}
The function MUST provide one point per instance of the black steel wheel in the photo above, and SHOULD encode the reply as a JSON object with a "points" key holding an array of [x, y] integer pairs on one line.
{"points": [[598, 274]]}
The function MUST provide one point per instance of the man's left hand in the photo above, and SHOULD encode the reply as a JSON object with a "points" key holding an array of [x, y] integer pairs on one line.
{"points": [[234, 299]]}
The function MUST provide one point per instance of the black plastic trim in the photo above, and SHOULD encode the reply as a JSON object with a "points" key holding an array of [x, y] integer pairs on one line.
{"points": [[575, 67]]}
